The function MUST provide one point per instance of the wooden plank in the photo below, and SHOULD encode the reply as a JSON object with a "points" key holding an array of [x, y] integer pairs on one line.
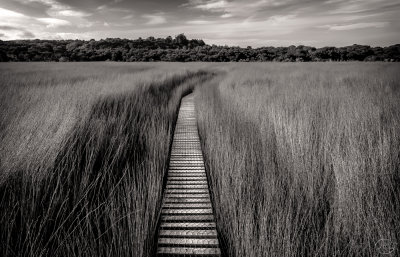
{"points": [[187, 191], [187, 195], [182, 157], [187, 200], [187, 178], [186, 151], [185, 162], [195, 162], [187, 205], [189, 251], [187, 211], [199, 225], [178, 173], [188, 241], [187, 182], [186, 186], [186, 154], [184, 218], [193, 193], [188, 233], [188, 172], [186, 166], [189, 165]]}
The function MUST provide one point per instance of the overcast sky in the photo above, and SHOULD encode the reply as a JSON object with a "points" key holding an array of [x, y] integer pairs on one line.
{"points": [[232, 22]]}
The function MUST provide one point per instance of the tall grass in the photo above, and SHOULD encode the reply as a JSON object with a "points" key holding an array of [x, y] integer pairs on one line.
{"points": [[40, 103], [304, 159], [95, 188]]}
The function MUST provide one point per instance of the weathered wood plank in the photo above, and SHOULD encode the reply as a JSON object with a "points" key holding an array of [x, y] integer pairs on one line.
{"points": [[187, 200], [199, 225], [186, 174], [183, 182], [185, 218], [188, 168], [188, 241], [189, 251], [187, 177], [187, 195], [186, 186], [187, 211], [187, 191], [188, 233]]}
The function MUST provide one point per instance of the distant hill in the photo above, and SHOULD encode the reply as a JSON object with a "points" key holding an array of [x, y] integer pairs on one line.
{"points": [[181, 49]]}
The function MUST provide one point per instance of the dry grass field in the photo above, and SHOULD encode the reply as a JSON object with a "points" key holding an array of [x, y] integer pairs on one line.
{"points": [[302, 159], [84, 149]]}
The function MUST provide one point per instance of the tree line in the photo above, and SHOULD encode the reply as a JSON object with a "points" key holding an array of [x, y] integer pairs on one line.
{"points": [[181, 49]]}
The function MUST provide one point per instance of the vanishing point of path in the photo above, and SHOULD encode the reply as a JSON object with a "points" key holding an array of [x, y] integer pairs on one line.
{"points": [[187, 221]]}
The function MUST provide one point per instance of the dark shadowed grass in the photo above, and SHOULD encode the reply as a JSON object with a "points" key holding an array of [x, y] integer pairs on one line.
{"points": [[101, 195], [304, 160]]}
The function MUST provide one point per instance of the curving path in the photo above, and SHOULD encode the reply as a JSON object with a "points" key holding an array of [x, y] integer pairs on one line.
{"points": [[187, 220]]}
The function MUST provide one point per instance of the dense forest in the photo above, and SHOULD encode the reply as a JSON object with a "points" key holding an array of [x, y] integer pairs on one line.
{"points": [[181, 49]]}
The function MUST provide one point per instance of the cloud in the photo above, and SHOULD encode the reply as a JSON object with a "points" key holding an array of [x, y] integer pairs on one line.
{"points": [[208, 5], [70, 35], [5, 13], [72, 13], [362, 25], [154, 19], [128, 17], [365, 6], [218, 5], [199, 22], [17, 32], [227, 15], [6, 27], [54, 23], [87, 24], [29, 8], [278, 19], [27, 34]]}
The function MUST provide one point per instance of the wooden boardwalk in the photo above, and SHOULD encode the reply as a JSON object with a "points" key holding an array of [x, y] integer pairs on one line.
{"points": [[187, 219]]}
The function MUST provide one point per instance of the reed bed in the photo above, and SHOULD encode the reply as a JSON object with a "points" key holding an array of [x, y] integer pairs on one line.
{"points": [[303, 159]]}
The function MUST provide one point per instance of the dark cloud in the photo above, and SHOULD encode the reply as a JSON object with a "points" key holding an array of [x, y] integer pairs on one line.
{"points": [[5, 27], [34, 8], [134, 5], [27, 34], [87, 5], [23, 33]]}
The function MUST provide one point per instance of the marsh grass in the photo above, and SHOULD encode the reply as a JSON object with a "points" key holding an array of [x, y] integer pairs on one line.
{"points": [[99, 193], [303, 159]]}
